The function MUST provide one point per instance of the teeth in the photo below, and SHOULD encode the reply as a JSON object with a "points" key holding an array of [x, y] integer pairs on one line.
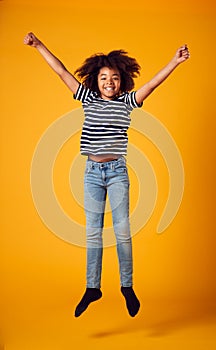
{"points": [[109, 89]]}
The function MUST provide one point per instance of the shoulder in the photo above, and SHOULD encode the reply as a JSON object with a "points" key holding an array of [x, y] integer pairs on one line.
{"points": [[129, 98], [83, 94]]}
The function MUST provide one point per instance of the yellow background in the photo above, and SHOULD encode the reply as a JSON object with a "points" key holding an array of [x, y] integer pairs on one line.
{"points": [[43, 277]]}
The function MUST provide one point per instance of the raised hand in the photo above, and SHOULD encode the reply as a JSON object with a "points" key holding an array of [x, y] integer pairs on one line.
{"points": [[58, 67], [31, 40], [182, 54]]}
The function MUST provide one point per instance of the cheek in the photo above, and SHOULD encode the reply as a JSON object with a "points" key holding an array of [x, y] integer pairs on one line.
{"points": [[99, 85]]}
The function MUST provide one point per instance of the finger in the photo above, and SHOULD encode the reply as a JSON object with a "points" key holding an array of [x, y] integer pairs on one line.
{"points": [[26, 40], [185, 56], [184, 52], [183, 48]]}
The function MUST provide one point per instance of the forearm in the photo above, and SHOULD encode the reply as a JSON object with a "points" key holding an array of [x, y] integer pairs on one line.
{"points": [[52, 60], [162, 74]]}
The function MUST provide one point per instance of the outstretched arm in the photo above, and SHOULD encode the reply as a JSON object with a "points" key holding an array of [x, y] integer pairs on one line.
{"points": [[58, 67], [182, 54]]}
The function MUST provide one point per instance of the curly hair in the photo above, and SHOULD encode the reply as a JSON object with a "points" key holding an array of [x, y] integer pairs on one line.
{"points": [[117, 59]]}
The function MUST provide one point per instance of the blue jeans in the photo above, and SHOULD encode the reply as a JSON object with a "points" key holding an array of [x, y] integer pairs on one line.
{"points": [[102, 179]]}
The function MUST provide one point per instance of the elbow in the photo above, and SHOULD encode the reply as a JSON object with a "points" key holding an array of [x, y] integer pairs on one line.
{"points": [[144, 92], [151, 86], [61, 71]]}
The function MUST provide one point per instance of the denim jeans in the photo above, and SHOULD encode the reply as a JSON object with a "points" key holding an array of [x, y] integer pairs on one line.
{"points": [[102, 179]]}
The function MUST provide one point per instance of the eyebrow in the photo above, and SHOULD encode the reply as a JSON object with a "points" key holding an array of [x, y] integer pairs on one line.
{"points": [[112, 74]]}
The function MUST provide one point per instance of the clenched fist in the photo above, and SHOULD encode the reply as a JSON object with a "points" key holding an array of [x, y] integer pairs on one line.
{"points": [[31, 40]]}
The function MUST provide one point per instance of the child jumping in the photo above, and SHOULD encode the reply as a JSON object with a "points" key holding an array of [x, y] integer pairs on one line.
{"points": [[107, 100]]}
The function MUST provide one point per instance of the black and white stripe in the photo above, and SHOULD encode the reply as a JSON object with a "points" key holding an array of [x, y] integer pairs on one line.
{"points": [[106, 122]]}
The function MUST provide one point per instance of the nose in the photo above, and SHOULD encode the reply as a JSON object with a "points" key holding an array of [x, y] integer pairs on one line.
{"points": [[110, 81]]}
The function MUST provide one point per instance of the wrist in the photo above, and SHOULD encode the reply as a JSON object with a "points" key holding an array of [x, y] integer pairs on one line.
{"points": [[38, 44], [174, 62]]}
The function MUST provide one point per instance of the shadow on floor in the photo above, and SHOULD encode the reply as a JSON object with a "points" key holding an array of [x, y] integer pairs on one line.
{"points": [[161, 320]]}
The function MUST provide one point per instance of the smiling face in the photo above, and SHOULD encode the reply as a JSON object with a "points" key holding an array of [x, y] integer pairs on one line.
{"points": [[109, 82]]}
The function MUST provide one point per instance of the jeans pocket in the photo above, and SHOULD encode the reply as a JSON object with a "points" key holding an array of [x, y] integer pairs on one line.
{"points": [[121, 169], [89, 168]]}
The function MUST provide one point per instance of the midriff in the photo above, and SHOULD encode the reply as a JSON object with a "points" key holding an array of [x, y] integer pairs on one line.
{"points": [[102, 158]]}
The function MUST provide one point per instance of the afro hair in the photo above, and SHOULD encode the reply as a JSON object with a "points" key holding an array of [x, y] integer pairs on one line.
{"points": [[117, 59]]}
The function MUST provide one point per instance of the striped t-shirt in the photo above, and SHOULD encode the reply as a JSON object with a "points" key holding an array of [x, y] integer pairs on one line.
{"points": [[106, 122]]}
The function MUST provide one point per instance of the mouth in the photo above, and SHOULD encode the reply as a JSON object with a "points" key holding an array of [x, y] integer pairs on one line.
{"points": [[109, 88]]}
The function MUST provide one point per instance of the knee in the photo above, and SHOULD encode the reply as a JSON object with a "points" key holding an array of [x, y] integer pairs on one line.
{"points": [[94, 220], [94, 237], [122, 231]]}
